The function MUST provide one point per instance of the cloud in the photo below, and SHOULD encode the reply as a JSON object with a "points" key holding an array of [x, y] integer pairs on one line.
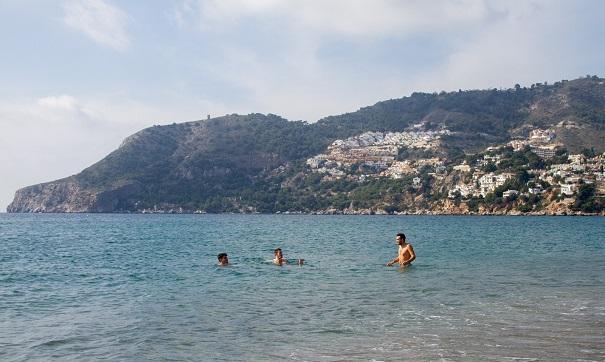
{"points": [[65, 102], [308, 59], [99, 20], [64, 109], [45, 139], [281, 53], [358, 18], [532, 41]]}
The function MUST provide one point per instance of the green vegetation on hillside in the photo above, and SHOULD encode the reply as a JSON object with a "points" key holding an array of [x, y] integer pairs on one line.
{"points": [[247, 163]]}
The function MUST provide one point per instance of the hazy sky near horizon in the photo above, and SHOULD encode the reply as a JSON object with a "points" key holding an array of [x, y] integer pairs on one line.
{"points": [[78, 76]]}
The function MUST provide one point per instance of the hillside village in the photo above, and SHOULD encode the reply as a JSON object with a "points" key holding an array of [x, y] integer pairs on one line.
{"points": [[534, 174], [375, 152]]}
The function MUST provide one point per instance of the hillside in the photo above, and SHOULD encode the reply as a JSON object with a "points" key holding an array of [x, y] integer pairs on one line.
{"points": [[258, 163]]}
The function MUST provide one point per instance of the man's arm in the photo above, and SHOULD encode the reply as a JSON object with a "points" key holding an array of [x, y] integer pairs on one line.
{"points": [[396, 260]]}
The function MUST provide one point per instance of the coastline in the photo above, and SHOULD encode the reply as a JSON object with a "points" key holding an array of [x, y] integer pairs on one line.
{"points": [[328, 212]]}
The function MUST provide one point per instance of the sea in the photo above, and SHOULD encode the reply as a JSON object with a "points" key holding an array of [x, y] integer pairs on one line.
{"points": [[126, 287]]}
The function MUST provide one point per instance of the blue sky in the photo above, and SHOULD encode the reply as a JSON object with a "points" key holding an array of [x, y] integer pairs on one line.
{"points": [[78, 76]]}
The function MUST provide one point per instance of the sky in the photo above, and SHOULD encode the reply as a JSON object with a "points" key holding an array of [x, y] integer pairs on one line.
{"points": [[79, 76]]}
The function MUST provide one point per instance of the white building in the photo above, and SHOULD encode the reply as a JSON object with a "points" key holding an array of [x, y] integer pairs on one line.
{"points": [[577, 158], [489, 182], [572, 180], [463, 189], [518, 144], [429, 162], [317, 161], [463, 167], [417, 181], [495, 159], [510, 193], [547, 151], [568, 189], [535, 190], [540, 135]]}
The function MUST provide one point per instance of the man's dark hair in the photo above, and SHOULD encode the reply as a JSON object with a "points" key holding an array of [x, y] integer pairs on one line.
{"points": [[402, 236], [221, 255], [276, 250]]}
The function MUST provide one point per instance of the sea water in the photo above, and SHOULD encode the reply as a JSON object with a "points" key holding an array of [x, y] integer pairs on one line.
{"points": [[147, 287]]}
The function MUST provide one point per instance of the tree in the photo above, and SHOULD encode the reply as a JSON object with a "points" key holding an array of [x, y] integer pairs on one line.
{"points": [[589, 153], [522, 177], [587, 201], [490, 198], [490, 167], [473, 204]]}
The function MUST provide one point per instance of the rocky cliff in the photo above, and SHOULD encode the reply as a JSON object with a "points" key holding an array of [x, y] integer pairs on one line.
{"points": [[58, 196]]}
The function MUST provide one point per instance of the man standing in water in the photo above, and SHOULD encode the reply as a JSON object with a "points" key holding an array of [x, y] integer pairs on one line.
{"points": [[406, 254]]}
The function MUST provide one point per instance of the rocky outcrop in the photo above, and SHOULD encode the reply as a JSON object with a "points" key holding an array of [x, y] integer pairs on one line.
{"points": [[57, 196], [69, 196], [450, 207]]}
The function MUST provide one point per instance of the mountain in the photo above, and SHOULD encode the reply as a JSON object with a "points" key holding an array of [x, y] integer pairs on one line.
{"points": [[257, 163]]}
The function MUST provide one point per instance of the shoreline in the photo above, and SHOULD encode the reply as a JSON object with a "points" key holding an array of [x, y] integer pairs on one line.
{"points": [[331, 213]]}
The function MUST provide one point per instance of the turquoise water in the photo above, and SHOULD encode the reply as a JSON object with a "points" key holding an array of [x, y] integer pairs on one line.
{"points": [[146, 287]]}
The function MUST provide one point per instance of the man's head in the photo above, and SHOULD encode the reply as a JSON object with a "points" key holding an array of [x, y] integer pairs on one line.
{"points": [[400, 238], [223, 259]]}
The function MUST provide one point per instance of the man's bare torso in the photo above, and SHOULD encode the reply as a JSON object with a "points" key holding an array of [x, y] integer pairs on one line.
{"points": [[405, 253]]}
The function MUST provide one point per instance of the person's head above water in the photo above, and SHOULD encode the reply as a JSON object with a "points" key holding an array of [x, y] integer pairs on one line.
{"points": [[223, 259], [400, 238], [279, 256]]}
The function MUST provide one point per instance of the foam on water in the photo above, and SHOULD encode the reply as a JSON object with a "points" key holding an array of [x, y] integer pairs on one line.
{"points": [[146, 287]]}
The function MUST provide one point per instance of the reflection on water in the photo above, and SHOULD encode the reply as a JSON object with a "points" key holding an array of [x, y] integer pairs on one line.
{"points": [[147, 287]]}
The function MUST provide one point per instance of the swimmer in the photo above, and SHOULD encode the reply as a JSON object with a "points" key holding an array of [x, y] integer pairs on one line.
{"points": [[406, 254], [279, 258], [223, 259]]}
